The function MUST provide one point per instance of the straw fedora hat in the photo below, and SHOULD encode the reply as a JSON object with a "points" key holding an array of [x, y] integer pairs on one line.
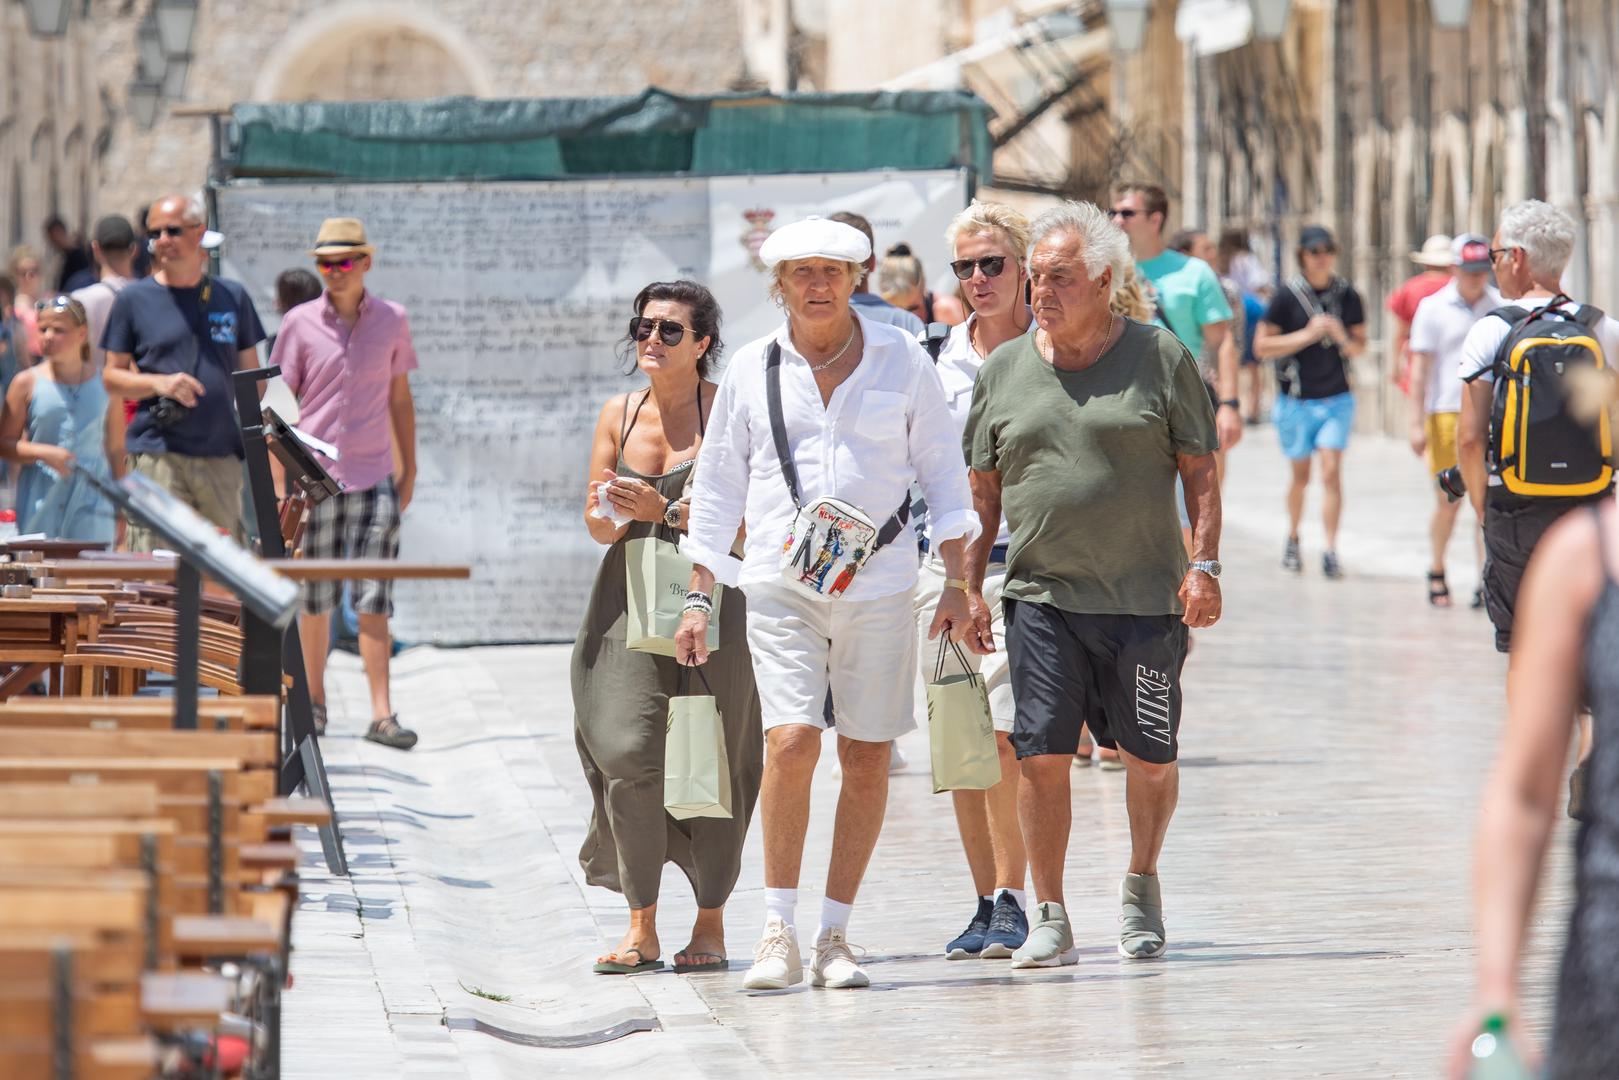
{"points": [[346, 236], [1435, 253]]}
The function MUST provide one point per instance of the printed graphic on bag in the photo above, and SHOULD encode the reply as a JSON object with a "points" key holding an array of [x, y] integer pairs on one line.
{"points": [[828, 548]]}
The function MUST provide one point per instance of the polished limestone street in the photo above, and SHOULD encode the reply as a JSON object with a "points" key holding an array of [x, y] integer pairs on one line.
{"points": [[1316, 877]]}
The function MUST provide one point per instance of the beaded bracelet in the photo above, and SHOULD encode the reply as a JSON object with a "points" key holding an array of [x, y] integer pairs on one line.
{"points": [[696, 601]]}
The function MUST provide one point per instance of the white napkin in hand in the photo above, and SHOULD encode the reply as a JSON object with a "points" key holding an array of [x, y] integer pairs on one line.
{"points": [[605, 509]]}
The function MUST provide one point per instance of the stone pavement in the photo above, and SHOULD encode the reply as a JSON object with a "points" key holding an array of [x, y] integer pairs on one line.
{"points": [[1316, 876]]}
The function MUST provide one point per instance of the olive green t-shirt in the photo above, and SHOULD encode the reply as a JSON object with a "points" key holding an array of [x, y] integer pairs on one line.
{"points": [[1087, 464]]}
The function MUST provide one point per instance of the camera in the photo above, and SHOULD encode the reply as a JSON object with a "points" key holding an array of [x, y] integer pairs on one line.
{"points": [[167, 412], [1452, 483]]}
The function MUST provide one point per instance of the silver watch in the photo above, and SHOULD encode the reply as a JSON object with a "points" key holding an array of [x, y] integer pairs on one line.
{"points": [[671, 514], [1210, 567]]}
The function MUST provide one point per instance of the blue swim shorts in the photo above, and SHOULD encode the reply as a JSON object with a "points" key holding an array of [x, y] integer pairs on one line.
{"points": [[1306, 425]]}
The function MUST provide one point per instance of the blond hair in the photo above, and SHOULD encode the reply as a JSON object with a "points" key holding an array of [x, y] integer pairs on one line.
{"points": [[74, 310], [1128, 299], [995, 219]]}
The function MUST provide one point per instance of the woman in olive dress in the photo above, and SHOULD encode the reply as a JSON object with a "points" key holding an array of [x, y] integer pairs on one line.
{"points": [[646, 449]]}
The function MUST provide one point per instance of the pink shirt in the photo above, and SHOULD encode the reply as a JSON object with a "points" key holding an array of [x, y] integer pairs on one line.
{"points": [[341, 378]]}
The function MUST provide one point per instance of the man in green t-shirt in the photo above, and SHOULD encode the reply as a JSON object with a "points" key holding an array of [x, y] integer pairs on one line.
{"points": [[1078, 433], [1186, 297]]}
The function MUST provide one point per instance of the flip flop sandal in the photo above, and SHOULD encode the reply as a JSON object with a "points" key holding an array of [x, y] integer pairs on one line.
{"points": [[613, 967], [1438, 591], [711, 962]]}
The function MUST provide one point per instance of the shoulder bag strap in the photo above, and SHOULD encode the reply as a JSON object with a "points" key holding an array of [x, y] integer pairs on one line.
{"points": [[778, 423]]}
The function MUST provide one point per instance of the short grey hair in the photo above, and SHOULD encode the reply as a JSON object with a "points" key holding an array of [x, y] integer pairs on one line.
{"points": [[1101, 245], [1544, 233], [191, 208]]}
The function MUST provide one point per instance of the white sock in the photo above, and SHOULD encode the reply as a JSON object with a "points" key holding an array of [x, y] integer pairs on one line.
{"points": [[834, 916], [1017, 895], [779, 904]]}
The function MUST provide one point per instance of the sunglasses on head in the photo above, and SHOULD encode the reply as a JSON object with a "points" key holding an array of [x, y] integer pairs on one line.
{"points": [[54, 304], [168, 230], [331, 266], [991, 266], [1122, 212], [670, 333]]}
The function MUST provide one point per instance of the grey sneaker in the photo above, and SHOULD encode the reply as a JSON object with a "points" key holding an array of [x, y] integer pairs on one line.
{"points": [[1329, 566], [1290, 556], [1050, 942], [1142, 936], [387, 732]]}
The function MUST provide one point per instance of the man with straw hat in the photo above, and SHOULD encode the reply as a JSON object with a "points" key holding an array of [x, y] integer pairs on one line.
{"points": [[1435, 259], [348, 357]]}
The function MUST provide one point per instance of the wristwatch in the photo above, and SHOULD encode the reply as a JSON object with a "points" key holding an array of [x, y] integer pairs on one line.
{"points": [[671, 514], [1210, 567], [1230, 403]]}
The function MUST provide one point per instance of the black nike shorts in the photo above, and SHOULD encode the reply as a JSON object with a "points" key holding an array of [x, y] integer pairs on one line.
{"points": [[1119, 675], [1513, 526]]}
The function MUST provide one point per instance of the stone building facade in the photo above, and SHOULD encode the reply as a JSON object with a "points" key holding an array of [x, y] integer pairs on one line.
{"points": [[69, 145]]}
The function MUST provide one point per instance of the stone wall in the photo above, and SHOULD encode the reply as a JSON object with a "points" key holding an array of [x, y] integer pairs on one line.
{"points": [[318, 49]]}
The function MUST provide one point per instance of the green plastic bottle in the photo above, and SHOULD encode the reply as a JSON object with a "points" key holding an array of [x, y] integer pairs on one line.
{"points": [[1493, 1055]]}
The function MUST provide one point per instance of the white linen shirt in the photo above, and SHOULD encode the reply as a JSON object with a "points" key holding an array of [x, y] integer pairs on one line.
{"points": [[959, 365], [1438, 329], [885, 426]]}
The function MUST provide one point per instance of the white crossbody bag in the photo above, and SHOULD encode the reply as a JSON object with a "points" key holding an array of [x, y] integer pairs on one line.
{"points": [[831, 540]]}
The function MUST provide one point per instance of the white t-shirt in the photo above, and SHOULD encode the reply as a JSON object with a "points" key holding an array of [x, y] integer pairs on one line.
{"points": [[1486, 336], [1439, 328], [97, 300], [959, 365]]}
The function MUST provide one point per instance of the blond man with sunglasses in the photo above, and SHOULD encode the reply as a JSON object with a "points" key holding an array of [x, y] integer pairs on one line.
{"points": [[348, 357], [172, 341]]}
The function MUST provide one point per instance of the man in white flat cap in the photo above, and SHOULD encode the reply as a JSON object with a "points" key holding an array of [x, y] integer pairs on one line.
{"points": [[819, 430]]}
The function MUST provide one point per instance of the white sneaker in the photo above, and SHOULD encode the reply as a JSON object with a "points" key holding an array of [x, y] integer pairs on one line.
{"points": [[832, 964], [896, 758], [777, 963]]}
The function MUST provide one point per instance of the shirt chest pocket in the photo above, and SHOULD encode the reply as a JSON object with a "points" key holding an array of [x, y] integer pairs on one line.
{"points": [[882, 415]]}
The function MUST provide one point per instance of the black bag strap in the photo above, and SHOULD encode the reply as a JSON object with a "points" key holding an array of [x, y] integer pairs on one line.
{"points": [[934, 337], [789, 470], [938, 667], [685, 679]]}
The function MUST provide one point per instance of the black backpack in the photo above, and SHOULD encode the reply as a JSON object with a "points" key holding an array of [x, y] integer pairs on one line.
{"points": [[1536, 446]]}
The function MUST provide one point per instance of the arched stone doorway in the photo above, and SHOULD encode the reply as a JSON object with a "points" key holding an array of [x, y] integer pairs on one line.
{"points": [[367, 51]]}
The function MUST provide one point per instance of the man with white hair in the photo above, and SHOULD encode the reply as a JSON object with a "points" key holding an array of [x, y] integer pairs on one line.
{"points": [[1531, 249], [1078, 433], [172, 342], [818, 431]]}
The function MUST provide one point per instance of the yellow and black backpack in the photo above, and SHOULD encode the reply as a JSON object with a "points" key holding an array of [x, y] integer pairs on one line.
{"points": [[1536, 446]]}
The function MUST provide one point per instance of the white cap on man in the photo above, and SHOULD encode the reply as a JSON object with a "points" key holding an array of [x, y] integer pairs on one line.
{"points": [[815, 238]]}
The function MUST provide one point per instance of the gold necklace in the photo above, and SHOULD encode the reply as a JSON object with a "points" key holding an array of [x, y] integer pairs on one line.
{"points": [[1049, 351], [839, 355]]}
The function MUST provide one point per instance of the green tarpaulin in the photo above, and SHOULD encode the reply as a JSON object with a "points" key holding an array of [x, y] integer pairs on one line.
{"points": [[652, 133]]}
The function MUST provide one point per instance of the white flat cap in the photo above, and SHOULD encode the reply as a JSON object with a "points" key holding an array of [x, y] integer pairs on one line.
{"points": [[815, 238]]}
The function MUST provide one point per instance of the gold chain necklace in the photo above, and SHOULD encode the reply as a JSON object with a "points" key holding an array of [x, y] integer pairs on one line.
{"points": [[839, 355], [1049, 351]]}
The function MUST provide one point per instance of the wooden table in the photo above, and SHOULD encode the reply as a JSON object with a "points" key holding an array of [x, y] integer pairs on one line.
{"points": [[138, 569], [37, 632]]}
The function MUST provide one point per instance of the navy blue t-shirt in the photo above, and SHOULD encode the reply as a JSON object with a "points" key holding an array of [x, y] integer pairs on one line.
{"points": [[166, 330]]}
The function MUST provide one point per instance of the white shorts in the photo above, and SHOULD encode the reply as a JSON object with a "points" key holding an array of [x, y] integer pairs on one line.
{"points": [[863, 650], [997, 675]]}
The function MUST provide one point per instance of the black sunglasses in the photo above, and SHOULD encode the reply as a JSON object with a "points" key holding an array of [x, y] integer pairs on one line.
{"points": [[168, 230], [670, 333], [1321, 250], [1123, 213], [1496, 253], [991, 265]]}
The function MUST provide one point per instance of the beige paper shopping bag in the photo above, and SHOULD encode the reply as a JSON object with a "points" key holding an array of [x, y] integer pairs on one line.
{"points": [[696, 772], [657, 576], [961, 734]]}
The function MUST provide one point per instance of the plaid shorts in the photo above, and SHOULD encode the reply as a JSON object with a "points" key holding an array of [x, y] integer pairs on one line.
{"points": [[353, 525]]}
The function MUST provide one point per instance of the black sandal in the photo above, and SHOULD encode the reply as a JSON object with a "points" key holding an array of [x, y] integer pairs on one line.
{"points": [[1438, 591], [1478, 599]]}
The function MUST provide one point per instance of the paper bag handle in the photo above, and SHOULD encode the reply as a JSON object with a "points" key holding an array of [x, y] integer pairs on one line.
{"points": [[938, 668], [685, 679]]}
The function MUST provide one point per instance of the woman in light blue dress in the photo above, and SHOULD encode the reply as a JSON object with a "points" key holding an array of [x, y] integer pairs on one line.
{"points": [[56, 417]]}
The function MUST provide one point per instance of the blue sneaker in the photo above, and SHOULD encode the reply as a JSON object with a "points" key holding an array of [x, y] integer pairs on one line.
{"points": [[1008, 929], [971, 941]]}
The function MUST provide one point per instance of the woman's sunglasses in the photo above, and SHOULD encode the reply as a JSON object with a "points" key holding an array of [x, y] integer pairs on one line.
{"points": [[1321, 250], [991, 266], [336, 265], [54, 304], [670, 333]]}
